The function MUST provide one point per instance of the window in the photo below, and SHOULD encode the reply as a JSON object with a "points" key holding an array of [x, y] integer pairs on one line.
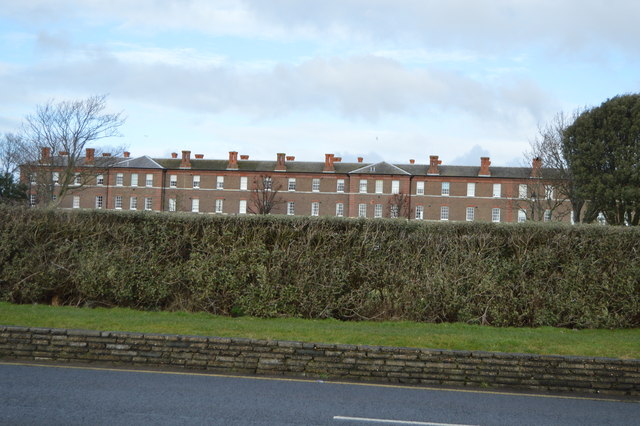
{"points": [[292, 184], [291, 208], [362, 209], [55, 178], [134, 179], [340, 185], [76, 201], [315, 208], [471, 189], [363, 186], [33, 200], [470, 214], [195, 205], [339, 209], [98, 201], [420, 188], [100, 180], [33, 178], [77, 180], [119, 179], [133, 203], [497, 190], [379, 184], [173, 205], [54, 197], [395, 186], [315, 185], [522, 215], [243, 183], [117, 202], [148, 203], [394, 211], [196, 181], [444, 212], [219, 204], [420, 212], [549, 192], [149, 180], [242, 207], [522, 191], [173, 181], [445, 188], [547, 215], [377, 210], [220, 182], [495, 215], [267, 183]]}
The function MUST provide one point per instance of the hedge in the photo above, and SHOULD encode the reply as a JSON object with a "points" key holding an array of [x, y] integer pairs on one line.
{"points": [[500, 274]]}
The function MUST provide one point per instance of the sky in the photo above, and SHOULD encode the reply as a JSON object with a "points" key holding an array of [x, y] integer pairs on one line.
{"points": [[386, 80]]}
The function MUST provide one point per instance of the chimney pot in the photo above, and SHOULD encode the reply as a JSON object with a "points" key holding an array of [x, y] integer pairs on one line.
{"points": [[127, 154], [63, 153], [233, 160], [199, 156], [291, 158], [360, 159], [174, 155], [412, 161], [244, 157], [337, 159], [106, 154], [186, 160]]}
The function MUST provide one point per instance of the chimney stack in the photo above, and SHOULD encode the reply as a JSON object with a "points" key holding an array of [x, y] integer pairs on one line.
{"points": [[291, 158], [433, 165], [127, 154], [174, 155], [45, 155], [89, 159], [485, 162], [199, 156], [186, 160], [412, 161], [233, 160], [337, 159], [63, 153], [328, 163], [280, 166], [536, 167], [106, 154], [244, 157], [360, 159]]}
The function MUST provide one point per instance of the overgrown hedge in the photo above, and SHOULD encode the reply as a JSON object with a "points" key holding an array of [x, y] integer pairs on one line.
{"points": [[504, 275]]}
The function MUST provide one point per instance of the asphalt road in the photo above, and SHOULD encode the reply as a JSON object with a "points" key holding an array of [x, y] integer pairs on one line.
{"points": [[40, 394]]}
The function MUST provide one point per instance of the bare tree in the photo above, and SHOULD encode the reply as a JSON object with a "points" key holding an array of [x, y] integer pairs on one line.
{"points": [[398, 206], [540, 199], [53, 143], [10, 154], [547, 146], [264, 195]]}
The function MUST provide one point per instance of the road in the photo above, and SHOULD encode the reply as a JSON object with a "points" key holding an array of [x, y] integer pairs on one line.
{"points": [[60, 394]]}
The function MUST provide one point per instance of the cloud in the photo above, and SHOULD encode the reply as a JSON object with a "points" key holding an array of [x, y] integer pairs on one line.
{"points": [[471, 157]]}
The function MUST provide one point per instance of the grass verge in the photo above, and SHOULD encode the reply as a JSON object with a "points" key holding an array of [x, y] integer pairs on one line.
{"points": [[545, 340]]}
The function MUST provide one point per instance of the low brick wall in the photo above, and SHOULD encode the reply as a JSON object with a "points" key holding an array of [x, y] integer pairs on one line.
{"points": [[313, 360]]}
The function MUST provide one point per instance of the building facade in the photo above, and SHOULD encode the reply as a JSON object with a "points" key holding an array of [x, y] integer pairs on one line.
{"points": [[238, 185]]}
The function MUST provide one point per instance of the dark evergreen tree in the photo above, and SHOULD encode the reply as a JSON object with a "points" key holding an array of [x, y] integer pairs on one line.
{"points": [[12, 192], [602, 148]]}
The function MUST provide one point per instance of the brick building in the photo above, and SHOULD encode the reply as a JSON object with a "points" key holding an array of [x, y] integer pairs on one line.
{"points": [[331, 188]]}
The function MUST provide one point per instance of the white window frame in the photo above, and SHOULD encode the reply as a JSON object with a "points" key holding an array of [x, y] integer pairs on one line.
{"points": [[173, 204], [133, 203], [379, 186], [100, 180], [445, 189], [196, 182], [77, 179], [242, 207], [291, 208], [195, 205], [419, 212], [339, 209], [219, 182], [497, 190], [243, 183], [173, 181], [340, 185], [148, 203], [315, 185], [219, 205], [363, 186], [362, 210], [99, 202], [33, 200], [522, 215], [471, 189], [76, 201], [471, 214], [134, 179], [55, 178], [377, 211], [444, 212], [315, 208], [495, 215], [547, 215], [117, 202], [119, 179], [522, 191], [395, 186], [394, 211], [148, 182], [292, 184], [268, 183], [419, 188], [549, 192]]}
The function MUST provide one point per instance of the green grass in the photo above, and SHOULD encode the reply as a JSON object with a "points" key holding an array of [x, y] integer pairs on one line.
{"points": [[545, 340]]}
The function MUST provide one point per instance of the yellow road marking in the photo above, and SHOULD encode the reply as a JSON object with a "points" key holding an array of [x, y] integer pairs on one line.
{"points": [[287, 379]]}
